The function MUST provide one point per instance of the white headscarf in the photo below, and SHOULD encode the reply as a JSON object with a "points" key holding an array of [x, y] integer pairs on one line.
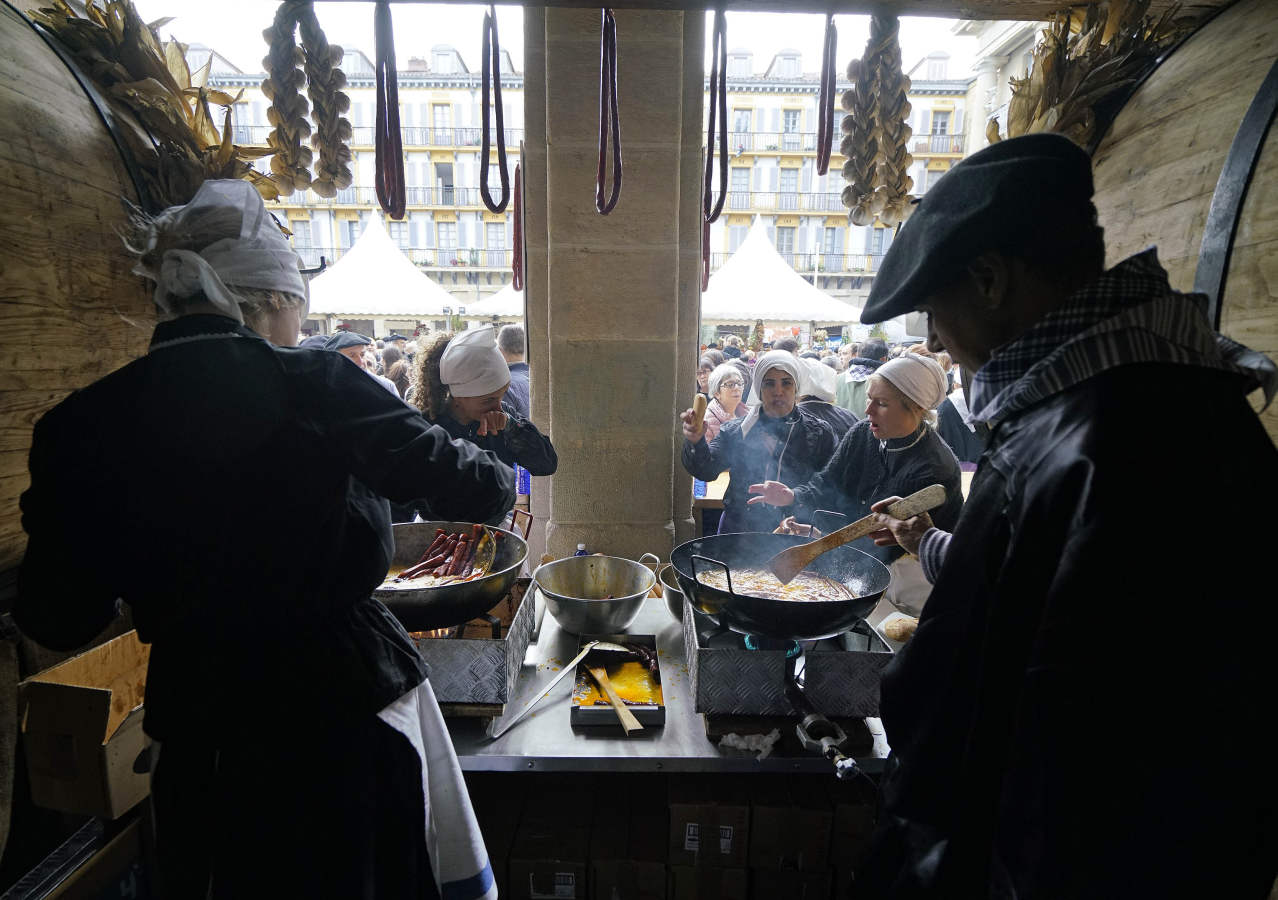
{"points": [[773, 359], [819, 382], [257, 257], [917, 377], [472, 366]]}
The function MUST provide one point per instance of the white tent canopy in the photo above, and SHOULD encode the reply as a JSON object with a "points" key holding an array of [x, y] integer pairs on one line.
{"points": [[756, 283], [506, 303], [374, 279]]}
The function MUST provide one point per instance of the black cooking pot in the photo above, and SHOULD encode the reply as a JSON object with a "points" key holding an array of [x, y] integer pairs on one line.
{"points": [[795, 620]]}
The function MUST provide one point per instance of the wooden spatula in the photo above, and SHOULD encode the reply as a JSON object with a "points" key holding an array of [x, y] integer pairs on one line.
{"points": [[628, 720], [793, 560]]}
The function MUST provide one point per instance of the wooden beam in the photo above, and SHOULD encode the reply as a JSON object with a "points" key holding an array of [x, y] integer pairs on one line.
{"points": [[1019, 10]]}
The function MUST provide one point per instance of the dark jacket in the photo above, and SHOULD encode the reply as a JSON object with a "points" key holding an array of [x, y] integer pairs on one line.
{"points": [[863, 471], [212, 485], [1057, 729], [838, 418], [961, 437], [519, 442], [789, 450], [517, 394]]}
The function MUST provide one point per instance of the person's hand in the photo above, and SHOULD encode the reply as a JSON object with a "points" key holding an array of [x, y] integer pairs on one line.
{"points": [[492, 422], [690, 434], [773, 493], [907, 533], [789, 526]]}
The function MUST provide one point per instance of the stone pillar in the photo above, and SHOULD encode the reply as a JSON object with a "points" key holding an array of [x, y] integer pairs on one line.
{"points": [[986, 100], [616, 295]]}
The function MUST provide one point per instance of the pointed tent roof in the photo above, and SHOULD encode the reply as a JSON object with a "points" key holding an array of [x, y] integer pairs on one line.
{"points": [[756, 283], [375, 279], [506, 302]]}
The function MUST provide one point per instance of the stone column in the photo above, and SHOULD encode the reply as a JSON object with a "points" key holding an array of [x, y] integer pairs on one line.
{"points": [[986, 100], [618, 292]]}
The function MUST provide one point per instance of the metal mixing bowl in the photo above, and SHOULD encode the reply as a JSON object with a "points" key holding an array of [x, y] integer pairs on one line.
{"points": [[575, 589], [671, 591]]}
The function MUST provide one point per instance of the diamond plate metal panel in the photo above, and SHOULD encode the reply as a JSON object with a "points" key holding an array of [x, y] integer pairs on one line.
{"points": [[732, 681], [479, 671]]}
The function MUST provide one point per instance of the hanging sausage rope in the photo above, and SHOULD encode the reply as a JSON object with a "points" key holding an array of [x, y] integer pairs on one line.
{"points": [[825, 97], [608, 115], [389, 178], [718, 103], [517, 234], [491, 55]]}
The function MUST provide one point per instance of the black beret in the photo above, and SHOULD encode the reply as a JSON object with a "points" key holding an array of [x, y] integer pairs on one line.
{"points": [[1014, 187], [314, 342], [344, 339], [396, 337]]}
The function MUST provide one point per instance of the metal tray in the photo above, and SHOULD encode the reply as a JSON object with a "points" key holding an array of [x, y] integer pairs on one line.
{"points": [[647, 714]]}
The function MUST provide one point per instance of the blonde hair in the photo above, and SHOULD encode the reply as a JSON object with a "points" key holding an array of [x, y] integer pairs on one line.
{"points": [[927, 416]]}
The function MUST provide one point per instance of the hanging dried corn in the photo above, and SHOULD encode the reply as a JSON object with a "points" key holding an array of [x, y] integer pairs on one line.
{"points": [[892, 112], [860, 145], [389, 147], [288, 67]]}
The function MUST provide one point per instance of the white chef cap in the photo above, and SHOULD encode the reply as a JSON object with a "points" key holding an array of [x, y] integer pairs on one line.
{"points": [[245, 248], [819, 382], [917, 377], [472, 366]]}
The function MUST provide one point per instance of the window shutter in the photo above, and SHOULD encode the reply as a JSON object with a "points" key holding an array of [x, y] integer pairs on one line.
{"points": [[428, 231], [461, 234], [776, 121], [806, 177], [772, 234], [457, 115], [772, 179], [412, 234], [958, 122], [758, 179]]}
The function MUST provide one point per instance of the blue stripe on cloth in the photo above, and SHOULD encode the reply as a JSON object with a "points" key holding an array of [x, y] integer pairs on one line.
{"points": [[476, 886]]}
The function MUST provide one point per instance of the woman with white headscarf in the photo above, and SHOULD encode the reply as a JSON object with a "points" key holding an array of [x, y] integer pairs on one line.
{"points": [[223, 469], [894, 450], [776, 440], [462, 382]]}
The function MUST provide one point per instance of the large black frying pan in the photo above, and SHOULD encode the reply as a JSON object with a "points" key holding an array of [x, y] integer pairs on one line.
{"points": [[424, 609], [795, 620]]}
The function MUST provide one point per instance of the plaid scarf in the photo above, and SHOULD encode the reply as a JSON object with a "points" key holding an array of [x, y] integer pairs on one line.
{"points": [[1130, 314]]}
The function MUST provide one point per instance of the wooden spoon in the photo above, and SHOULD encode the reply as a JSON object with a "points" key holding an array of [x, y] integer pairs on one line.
{"points": [[628, 720], [793, 560]]}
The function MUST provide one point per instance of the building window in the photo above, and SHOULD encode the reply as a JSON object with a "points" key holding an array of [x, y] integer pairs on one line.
{"points": [[790, 129], [740, 188], [742, 120], [444, 183], [936, 68], [495, 233], [447, 235], [830, 244], [399, 234], [736, 236], [785, 243], [443, 62], [789, 191], [877, 238], [940, 122], [440, 113]]}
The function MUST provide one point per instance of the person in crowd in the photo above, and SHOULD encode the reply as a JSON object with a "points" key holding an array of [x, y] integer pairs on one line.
{"points": [[810, 354], [775, 440], [788, 344], [1067, 522], [817, 396], [293, 716], [462, 382], [390, 356], [830, 361], [894, 451], [747, 377], [510, 341], [354, 347], [846, 353], [313, 342], [851, 385], [705, 366], [400, 375], [952, 423], [726, 387], [398, 342], [732, 347], [748, 357]]}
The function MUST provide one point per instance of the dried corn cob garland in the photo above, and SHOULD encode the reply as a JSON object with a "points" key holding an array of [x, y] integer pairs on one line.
{"points": [[859, 145], [325, 81], [892, 110]]}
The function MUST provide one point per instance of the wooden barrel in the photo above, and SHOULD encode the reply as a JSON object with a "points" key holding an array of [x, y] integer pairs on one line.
{"points": [[1158, 168], [70, 309]]}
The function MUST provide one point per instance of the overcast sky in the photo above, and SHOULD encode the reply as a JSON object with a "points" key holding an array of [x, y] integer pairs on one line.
{"points": [[234, 28]]}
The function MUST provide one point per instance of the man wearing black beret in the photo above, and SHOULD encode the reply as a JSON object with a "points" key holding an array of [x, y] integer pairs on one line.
{"points": [[1075, 716]]}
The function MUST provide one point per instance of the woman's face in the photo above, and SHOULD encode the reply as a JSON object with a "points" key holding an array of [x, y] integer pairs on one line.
{"points": [[886, 409], [703, 377], [730, 391], [777, 393], [469, 409]]}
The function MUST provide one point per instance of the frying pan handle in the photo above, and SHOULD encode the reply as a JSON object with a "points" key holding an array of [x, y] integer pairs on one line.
{"points": [[829, 514], [705, 559], [514, 521]]}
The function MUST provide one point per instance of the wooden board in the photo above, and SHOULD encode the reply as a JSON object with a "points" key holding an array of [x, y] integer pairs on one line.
{"points": [[70, 308], [1158, 166]]}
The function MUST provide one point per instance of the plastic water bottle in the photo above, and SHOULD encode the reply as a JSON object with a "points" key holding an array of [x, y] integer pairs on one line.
{"points": [[581, 550], [698, 488], [523, 481]]}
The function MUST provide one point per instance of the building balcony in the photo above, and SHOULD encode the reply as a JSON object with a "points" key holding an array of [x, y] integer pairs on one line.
{"points": [[820, 263], [442, 258], [936, 143], [771, 142], [412, 136], [783, 201], [432, 197]]}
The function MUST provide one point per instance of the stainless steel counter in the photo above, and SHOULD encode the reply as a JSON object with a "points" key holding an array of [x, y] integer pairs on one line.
{"points": [[545, 741]]}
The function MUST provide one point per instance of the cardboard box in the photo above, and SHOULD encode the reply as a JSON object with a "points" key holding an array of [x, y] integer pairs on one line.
{"points": [[628, 856], [789, 826], [82, 730], [770, 884], [709, 822], [689, 883], [548, 861]]}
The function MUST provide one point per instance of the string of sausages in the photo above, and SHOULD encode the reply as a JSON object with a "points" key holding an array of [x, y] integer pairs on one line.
{"points": [[608, 115], [448, 554], [491, 56], [718, 103], [825, 97], [389, 177], [517, 229]]}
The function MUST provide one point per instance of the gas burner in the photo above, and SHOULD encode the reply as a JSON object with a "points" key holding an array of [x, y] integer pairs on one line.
{"points": [[754, 642]]}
